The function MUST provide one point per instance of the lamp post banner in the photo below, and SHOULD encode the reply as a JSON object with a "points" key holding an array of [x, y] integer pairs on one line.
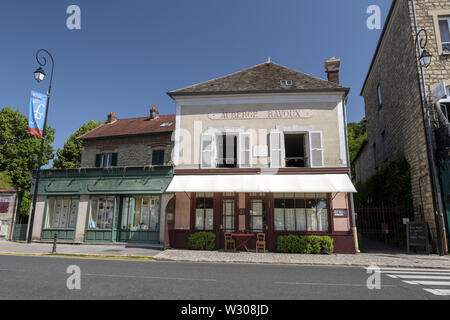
{"points": [[38, 105]]}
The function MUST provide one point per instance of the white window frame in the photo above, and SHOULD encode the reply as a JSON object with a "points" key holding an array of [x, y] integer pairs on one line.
{"points": [[441, 18], [311, 149], [240, 149]]}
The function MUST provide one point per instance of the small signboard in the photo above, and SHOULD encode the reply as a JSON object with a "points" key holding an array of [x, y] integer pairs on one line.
{"points": [[339, 213], [439, 92], [417, 235]]}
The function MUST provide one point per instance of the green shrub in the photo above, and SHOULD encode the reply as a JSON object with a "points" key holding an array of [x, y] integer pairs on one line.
{"points": [[202, 241], [326, 244], [305, 244]]}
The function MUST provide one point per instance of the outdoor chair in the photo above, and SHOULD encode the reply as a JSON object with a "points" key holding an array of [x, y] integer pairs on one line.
{"points": [[229, 240], [261, 242]]}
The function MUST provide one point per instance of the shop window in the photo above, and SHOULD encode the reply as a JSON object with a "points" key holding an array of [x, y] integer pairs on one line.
{"points": [[295, 150], [101, 213], [158, 157], [444, 29], [300, 212], [204, 211], [228, 215], [257, 215], [61, 213], [145, 213], [226, 151], [105, 160]]}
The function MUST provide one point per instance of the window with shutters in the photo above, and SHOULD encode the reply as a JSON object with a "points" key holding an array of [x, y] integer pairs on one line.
{"points": [[316, 149], [295, 150], [226, 151]]}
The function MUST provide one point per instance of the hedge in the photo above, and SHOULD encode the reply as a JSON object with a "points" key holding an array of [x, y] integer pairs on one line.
{"points": [[305, 244], [202, 241]]}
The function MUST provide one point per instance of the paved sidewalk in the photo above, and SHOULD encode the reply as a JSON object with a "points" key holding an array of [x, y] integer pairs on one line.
{"points": [[360, 259], [86, 250]]}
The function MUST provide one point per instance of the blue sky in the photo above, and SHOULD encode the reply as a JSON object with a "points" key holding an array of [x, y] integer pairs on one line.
{"points": [[128, 54]]}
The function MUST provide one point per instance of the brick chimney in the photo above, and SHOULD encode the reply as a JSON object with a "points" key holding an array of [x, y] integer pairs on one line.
{"points": [[332, 69], [154, 113], [111, 117]]}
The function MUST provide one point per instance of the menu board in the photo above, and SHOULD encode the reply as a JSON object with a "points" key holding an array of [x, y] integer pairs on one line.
{"points": [[417, 235]]}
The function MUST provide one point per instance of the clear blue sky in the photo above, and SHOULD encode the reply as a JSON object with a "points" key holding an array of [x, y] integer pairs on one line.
{"points": [[128, 54]]}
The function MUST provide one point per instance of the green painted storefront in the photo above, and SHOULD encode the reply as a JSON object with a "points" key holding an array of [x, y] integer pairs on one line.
{"points": [[110, 191]]}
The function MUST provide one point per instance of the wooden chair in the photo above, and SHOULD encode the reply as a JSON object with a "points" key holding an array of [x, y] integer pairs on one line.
{"points": [[261, 242], [229, 240]]}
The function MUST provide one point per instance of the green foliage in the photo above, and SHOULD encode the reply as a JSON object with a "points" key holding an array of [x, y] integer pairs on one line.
{"points": [[202, 241], [25, 204], [19, 151], [305, 244], [70, 155], [391, 185], [5, 180], [356, 132]]}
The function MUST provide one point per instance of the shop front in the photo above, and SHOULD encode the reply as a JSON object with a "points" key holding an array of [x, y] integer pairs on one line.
{"points": [[273, 205], [102, 205]]}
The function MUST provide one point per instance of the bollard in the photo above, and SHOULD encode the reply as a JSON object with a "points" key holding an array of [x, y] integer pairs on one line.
{"points": [[54, 242]]}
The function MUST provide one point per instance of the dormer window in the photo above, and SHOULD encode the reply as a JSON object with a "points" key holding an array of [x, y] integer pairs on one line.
{"points": [[286, 83]]}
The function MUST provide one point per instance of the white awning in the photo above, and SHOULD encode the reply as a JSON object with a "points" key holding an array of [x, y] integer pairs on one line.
{"points": [[262, 183]]}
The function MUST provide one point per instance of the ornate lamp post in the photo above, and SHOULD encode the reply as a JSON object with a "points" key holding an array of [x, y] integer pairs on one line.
{"points": [[39, 75], [424, 58]]}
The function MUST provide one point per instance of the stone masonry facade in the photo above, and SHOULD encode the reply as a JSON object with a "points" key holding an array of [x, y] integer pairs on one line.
{"points": [[131, 151], [395, 128]]}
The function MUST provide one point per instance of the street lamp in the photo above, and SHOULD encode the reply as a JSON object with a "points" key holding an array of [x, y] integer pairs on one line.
{"points": [[424, 56], [39, 75], [425, 59]]}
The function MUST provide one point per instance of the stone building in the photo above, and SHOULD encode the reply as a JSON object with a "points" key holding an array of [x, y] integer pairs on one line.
{"points": [[262, 153], [118, 193], [394, 108]]}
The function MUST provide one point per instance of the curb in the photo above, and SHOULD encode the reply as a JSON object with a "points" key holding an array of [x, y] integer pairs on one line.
{"points": [[307, 264], [81, 255]]}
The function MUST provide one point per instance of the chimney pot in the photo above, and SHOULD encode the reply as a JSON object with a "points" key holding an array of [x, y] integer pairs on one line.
{"points": [[332, 66], [111, 117], [154, 113]]}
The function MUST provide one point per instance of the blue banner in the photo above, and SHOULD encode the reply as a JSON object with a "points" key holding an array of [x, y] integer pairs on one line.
{"points": [[38, 104]]}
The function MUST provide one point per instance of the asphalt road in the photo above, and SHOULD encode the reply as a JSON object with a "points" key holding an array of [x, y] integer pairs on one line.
{"points": [[27, 277]]}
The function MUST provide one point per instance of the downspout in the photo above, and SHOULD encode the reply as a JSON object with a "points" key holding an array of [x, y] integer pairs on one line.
{"points": [[435, 186], [352, 204]]}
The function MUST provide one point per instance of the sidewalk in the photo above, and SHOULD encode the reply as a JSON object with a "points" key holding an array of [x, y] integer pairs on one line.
{"points": [[360, 259], [104, 251]]}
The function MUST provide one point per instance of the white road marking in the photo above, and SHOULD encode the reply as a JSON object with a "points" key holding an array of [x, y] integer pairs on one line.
{"points": [[439, 292], [415, 272], [144, 277], [411, 269], [407, 276], [326, 284], [429, 283]]}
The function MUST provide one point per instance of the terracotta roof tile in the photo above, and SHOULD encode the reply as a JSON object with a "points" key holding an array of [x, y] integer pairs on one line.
{"points": [[132, 126], [265, 77]]}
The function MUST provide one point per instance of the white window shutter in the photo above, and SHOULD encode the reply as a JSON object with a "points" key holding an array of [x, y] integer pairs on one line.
{"points": [[276, 141], [244, 153], [207, 150], [316, 149]]}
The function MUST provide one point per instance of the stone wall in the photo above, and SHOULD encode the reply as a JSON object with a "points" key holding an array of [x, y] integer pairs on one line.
{"points": [[400, 116], [132, 151]]}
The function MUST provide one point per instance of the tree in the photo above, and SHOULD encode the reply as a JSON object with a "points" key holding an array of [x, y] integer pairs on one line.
{"points": [[356, 135], [19, 151], [70, 155]]}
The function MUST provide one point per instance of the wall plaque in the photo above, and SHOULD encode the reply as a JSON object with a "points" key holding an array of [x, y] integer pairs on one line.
{"points": [[267, 114]]}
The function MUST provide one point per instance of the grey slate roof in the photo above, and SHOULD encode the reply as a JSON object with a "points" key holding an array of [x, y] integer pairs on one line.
{"points": [[262, 78]]}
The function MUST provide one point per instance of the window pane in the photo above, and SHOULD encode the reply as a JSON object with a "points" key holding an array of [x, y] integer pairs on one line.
{"points": [[50, 212], [199, 213], [209, 218], [444, 29], [279, 219], [322, 215], [300, 215], [290, 219], [228, 215], [101, 218], [93, 214], [73, 213], [154, 213], [311, 216], [126, 207]]}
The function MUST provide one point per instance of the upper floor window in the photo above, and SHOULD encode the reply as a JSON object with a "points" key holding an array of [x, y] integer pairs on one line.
{"points": [[379, 96], [444, 29], [105, 160], [226, 151], [295, 150], [158, 157]]}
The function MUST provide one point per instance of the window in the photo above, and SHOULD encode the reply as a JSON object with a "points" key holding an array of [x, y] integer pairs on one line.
{"points": [[444, 29], [204, 211], [445, 107], [228, 215], [295, 150], [102, 212], [379, 96], [4, 205], [300, 212], [61, 213], [385, 151], [226, 151], [158, 157], [145, 216], [105, 160], [257, 215], [286, 83]]}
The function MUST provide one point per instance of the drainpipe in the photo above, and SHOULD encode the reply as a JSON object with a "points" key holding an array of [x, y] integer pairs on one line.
{"points": [[435, 186], [352, 204]]}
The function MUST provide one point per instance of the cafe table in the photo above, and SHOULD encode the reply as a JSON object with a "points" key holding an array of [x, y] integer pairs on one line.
{"points": [[242, 239]]}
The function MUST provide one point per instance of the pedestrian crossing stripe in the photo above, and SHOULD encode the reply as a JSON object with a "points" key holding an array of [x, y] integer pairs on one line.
{"points": [[435, 279]]}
